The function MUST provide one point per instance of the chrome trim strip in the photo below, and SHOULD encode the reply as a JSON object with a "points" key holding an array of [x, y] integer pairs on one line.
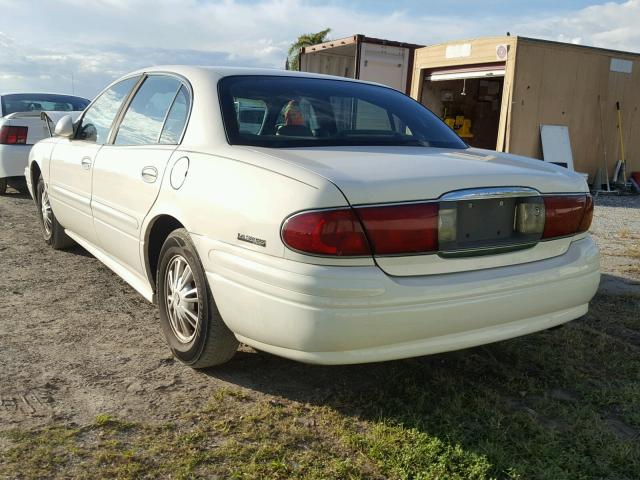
{"points": [[506, 248], [488, 193]]}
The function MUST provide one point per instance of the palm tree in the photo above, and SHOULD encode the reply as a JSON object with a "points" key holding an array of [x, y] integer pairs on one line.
{"points": [[304, 40]]}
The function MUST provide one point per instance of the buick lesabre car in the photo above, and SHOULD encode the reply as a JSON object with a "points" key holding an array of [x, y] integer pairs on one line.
{"points": [[337, 222]]}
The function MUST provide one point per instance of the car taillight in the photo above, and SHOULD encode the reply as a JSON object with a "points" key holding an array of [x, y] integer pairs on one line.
{"points": [[390, 230], [567, 215], [401, 229], [12, 135], [415, 228], [326, 232]]}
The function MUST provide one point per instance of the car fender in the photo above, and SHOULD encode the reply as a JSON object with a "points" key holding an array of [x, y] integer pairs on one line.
{"points": [[40, 155], [237, 203]]}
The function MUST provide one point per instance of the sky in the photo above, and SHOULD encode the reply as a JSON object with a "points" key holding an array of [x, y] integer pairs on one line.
{"points": [[79, 46]]}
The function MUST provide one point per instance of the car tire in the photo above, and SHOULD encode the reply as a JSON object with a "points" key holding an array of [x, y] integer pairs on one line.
{"points": [[190, 320], [3, 186], [52, 231]]}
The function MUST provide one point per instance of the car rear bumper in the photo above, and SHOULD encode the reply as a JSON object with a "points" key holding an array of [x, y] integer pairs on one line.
{"points": [[340, 315], [13, 160]]}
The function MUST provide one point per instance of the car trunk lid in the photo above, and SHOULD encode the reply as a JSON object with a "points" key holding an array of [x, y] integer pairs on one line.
{"points": [[396, 174], [481, 189]]}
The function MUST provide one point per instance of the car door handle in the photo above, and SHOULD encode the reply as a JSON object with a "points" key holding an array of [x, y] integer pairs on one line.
{"points": [[86, 163], [149, 174]]}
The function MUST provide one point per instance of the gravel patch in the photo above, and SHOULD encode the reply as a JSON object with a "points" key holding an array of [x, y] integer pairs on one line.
{"points": [[616, 228]]}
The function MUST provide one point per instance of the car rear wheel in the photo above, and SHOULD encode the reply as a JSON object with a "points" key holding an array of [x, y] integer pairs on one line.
{"points": [[52, 231], [3, 186], [190, 320]]}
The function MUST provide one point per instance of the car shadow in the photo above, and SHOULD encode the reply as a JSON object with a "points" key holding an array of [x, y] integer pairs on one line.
{"points": [[471, 398]]}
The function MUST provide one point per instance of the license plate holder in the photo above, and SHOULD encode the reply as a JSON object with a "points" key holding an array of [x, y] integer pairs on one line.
{"points": [[485, 226]]}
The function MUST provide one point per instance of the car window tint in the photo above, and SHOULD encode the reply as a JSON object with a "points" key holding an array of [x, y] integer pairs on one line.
{"points": [[98, 119], [355, 114], [35, 102], [177, 118], [371, 117], [145, 115], [307, 112], [249, 114]]}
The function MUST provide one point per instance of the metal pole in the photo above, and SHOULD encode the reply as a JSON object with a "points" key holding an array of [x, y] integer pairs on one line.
{"points": [[604, 147]]}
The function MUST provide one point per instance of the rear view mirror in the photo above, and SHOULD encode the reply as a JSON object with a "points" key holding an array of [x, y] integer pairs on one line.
{"points": [[64, 127]]}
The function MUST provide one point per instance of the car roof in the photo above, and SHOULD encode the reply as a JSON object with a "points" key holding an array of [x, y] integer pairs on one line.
{"points": [[195, 71], [3, 94]]}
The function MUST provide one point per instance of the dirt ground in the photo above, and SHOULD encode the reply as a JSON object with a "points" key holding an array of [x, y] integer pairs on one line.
{"points": [[76, 341]]}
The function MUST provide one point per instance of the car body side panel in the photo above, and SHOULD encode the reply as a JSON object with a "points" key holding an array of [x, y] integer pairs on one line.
{"points": [[69, 184], [121, 197], [243, 206], [40, 155]]}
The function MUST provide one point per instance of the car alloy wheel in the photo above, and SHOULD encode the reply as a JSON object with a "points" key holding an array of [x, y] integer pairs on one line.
{"points": [[47, 213], [181, 292]]}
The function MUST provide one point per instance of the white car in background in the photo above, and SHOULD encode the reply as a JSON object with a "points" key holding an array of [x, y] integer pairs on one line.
{"points": [[22, 125], [348, 224]]}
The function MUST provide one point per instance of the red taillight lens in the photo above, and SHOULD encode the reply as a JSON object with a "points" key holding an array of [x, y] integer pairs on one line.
{"points": [[329, 232], [588, 215], [412, 228], [567, 215], [401, 229], [12, 135]]}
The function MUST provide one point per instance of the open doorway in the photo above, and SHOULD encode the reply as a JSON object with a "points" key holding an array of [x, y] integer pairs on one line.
{"points": [[468, 100]]}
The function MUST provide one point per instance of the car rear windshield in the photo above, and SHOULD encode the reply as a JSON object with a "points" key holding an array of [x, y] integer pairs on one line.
{"points": [[282, 111], [37, 102]]}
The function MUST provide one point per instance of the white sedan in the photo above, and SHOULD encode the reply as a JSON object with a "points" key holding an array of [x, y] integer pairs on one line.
{"points": [[21, 126], [336, 222]]}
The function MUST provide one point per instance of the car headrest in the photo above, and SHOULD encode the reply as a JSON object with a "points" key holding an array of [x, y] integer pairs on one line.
{"points": [[293, 114]]}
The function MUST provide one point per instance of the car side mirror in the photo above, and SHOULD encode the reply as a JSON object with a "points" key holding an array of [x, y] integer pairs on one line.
{"points": [[64, 127]]}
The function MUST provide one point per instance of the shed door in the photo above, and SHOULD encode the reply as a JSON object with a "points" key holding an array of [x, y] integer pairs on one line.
{"points": [[384, 64], [467, 72]]}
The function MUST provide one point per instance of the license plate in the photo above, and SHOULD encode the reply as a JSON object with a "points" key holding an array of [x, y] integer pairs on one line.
{"points": [[483, 225]]}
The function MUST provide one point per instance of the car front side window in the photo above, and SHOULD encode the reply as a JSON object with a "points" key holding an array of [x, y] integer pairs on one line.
{"points": [[145, 116], [96, 122]]}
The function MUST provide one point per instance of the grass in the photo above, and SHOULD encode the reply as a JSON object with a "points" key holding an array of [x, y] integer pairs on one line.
{"points": [[633, 252], [624, 232], [560, 404]]}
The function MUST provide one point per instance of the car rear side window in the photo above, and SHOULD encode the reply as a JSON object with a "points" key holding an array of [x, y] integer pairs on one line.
{"points": [[97, 120], [37, 102], [177, 118], [145, 116]]}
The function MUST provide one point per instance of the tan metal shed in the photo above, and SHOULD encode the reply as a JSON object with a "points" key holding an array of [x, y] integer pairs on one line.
{"points": [[366, 58], [506, 87]]}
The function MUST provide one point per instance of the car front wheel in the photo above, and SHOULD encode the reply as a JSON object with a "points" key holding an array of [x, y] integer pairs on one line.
{"points": [[190, 320], [52, 231]]}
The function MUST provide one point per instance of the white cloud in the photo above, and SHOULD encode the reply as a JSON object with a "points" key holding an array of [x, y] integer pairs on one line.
{"points": [[610, 25], [101, 40]]}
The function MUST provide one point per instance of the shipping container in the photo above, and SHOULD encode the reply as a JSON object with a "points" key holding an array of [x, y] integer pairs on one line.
{"points": [[496, 92], [365, 58]]}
